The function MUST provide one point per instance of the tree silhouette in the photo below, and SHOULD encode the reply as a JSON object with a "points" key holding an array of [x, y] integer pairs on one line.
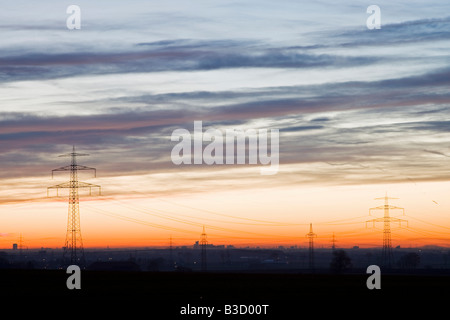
{"points": [[340, 262], [409, 261]]}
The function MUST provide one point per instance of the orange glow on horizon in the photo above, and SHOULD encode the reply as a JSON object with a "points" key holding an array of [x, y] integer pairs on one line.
{"points": [[237, 218]]}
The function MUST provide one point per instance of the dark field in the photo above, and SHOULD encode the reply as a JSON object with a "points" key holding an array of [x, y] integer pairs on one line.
{"points": [[168, 291]]}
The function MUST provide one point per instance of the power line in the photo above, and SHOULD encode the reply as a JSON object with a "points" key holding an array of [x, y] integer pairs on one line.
{"points": [[193, 223]]}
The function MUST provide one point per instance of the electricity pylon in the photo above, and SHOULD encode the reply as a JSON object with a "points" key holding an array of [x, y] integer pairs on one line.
{"points": [[20, 244], [311, 235], [203, 243], [171, 252], [387, 257], [74, 243], [333, 241]]}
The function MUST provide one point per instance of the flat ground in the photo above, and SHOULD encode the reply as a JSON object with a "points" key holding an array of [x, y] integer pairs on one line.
{"points": [[169, 291]]}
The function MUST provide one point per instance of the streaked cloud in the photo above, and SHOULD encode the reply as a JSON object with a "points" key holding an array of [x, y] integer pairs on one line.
{"points": [[351, 104]]}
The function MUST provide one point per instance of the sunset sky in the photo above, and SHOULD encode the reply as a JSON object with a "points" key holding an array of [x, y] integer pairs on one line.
{"points": [[361, 113]]}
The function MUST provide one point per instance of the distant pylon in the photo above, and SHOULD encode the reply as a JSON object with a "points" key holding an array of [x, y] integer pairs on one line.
{"points": [[74, 243], [387, 256], [311, 235], [171, 251], [333, 241], [203, 243], [20, 244]]}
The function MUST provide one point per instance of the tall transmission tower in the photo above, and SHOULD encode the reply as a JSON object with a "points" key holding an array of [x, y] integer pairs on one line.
{"points": [[203, 243], [311, 235], [74, 243], [387, 256]]}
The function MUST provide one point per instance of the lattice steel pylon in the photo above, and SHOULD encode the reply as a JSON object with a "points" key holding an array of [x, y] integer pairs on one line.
{"points": [[387, 256], [311, 235], [74, 244], [333, 241], [203, 244]]}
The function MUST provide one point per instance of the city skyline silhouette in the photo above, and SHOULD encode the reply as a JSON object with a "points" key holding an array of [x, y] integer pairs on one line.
{"points": [[359, 110]]}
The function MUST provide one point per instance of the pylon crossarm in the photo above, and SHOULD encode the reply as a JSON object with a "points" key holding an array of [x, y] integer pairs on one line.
{"points": [[374, 220], [384, 198], [76, 167], [399, 220], [375, 208], [68, 185], [72, 154], [386, 207], [396, 208]]}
